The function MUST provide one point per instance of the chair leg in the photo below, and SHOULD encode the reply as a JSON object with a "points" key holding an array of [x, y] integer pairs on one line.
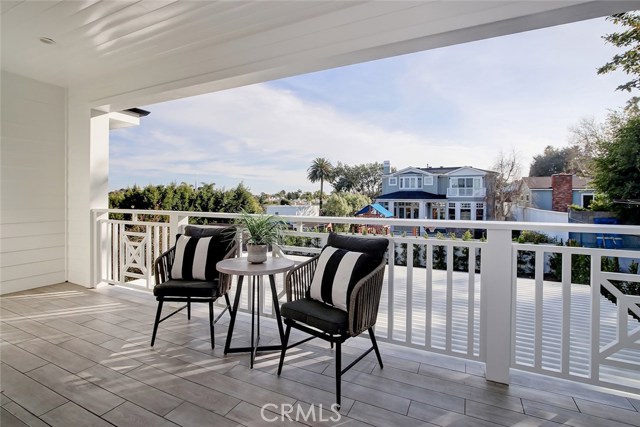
{"points": [[375, 347], [338, 371], [213, 343], [188, 308], [157, 322], [285, 343]]}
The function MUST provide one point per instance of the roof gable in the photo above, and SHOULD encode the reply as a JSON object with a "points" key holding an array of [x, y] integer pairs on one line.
{"points": [[412, 170], [468, 171], [442, 170]]}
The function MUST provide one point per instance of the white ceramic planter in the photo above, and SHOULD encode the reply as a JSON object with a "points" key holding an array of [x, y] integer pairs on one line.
{"points": [[257, 254]]}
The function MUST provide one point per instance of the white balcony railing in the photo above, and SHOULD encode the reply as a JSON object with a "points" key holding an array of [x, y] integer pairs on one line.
{"points": [[477, 309], [466, 192]]}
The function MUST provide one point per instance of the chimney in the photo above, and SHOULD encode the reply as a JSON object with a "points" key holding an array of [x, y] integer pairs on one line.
{"points": [[386, 167], [561, 191]]}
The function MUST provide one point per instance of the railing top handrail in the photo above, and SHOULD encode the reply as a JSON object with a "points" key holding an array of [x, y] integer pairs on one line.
{"points": [[430, 223], [573, 250]]}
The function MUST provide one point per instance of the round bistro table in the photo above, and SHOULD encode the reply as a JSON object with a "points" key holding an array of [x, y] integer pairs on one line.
{"points": [[241, 268]]}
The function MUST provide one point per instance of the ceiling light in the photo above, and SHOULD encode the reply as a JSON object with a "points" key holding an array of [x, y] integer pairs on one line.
{"points": [[47, 40]]}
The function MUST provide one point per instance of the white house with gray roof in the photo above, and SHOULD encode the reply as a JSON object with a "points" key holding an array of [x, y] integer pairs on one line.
{"points": [[437, 192]]}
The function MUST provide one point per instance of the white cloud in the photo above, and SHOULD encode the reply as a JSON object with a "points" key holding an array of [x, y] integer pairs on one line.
{"points": [[261, 135], [453, 106]]}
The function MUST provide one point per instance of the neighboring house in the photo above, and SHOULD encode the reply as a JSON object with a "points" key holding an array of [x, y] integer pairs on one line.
{"points": [[556, 192], [293, 210], [437, 193]]}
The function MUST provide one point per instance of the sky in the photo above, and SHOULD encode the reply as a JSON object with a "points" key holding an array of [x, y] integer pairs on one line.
{"points": [[455, 106]]}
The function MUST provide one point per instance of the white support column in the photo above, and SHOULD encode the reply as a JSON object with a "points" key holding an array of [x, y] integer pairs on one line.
{"points": [[390, 207], [496, 304], [176, 225], [100, 250], [87, 187], [422, 214]]}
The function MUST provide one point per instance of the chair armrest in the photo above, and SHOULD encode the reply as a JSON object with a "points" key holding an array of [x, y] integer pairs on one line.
{"points": [[224, 280], [364, 301], [163, 265], [299, 279]]}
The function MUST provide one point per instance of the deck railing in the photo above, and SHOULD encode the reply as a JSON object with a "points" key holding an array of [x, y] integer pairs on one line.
{"points": [[466, 192], [447, 295]]}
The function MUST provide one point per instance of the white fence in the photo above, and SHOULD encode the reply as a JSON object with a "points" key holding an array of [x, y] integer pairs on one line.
{"points": [[438, 302], [522, 214]]}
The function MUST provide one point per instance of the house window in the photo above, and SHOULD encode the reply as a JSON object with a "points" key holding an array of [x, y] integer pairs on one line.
{"points": [[438, 210], [393, 181], [586, 200], [419, 182], [479, 211], [452, 211], [409, 183], [465, 211], [465, 187], [428, 180], [467, 182], [407, 210]]}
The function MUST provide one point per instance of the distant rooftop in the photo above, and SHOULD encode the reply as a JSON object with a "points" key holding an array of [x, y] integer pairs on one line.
{"points": [[544, 182], [411, 195], [440, 170]]}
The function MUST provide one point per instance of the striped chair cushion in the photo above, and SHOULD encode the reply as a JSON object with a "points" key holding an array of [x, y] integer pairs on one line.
{"points": [[195, 258], [337, 272]]}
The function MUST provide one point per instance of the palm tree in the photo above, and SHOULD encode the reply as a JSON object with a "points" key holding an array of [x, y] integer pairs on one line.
{"points": [[320, 170]]}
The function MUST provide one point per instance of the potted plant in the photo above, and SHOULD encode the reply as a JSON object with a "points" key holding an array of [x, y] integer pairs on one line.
{"points": [[263, 230]]}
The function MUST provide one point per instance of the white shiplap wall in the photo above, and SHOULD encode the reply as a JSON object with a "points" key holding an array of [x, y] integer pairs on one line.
{"points": [[32, 184]]}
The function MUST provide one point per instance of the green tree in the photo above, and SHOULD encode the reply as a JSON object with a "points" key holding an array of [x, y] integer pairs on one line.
{"points": [[552, 161], [208, 199], [364, 179], [337, 205], [345, 204], [629, 60], [617, 170], [307, 196], [356, 201], [321, 169], [239, 199], [184, 197]]}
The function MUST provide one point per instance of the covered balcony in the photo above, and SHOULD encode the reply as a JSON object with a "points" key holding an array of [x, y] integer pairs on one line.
{"points": [[461, 347]]}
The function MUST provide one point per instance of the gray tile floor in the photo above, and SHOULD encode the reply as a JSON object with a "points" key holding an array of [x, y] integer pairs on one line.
{"points": [[77, 357]]}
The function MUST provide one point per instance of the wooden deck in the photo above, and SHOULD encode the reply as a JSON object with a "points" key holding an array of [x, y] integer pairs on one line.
{"points": [[77, 357]]}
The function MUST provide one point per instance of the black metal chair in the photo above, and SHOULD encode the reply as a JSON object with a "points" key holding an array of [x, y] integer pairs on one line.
{"points": [[335, 296], [187, 272]]}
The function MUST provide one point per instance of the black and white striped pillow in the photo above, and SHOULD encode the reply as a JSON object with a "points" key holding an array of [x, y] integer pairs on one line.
{"points": [[195, 258], [338, 270]]}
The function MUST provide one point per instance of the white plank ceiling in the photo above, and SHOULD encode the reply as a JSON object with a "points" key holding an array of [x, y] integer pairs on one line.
{"points": [[125, 53]]}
